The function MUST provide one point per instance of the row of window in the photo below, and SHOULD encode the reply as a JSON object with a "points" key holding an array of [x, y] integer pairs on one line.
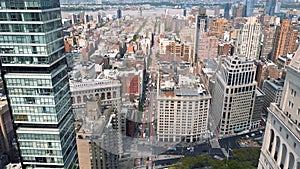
{"points": [[29, 4], [94, 91], [28, 82], [30, 91], [43, 159], [32, 16], [36, 152], [41, 50], [32, 100], [22, 39], [31, 136], [35, 118], [39, 144], [22, 28], [24, 60], [32, 109]]}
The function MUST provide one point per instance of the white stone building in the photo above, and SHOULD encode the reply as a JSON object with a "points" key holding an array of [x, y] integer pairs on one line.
{"points": [[281, 145], [108, 90], [234, 96], [182, 113], [248, 41]]}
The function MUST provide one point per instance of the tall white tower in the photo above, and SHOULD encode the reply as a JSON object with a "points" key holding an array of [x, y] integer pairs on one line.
{"points": [[234, 95], [249, 38]]}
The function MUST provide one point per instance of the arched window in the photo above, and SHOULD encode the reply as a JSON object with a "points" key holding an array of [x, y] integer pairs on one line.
{"points": [[283, 156], [291, 161], [271, 140], [78, 99], [114, 94], [97, 96], [102, 96], [84, 98], [277, 148], [73, 100], [108, 95]]}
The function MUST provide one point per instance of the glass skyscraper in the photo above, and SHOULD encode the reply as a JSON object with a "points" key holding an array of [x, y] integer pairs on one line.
{"points": [[248, 8], [270, 7], [36, 80]]}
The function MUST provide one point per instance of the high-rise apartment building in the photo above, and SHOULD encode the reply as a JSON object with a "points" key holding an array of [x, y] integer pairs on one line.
{"points": [[119, 14], [218, 27], [268, 41], [234, 95], [217, 11], [270, 7], [277, 6], [281, 141], [201, 27], [285, 40], [98, 139], [258, 108], [273, 92], [266, 69], [184, 12], [248, 8], [226, 11], [37, 84], [239, 11], [249, 38]]}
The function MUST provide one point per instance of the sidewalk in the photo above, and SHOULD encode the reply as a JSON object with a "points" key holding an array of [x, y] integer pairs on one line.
{"points": [[214, 143]]}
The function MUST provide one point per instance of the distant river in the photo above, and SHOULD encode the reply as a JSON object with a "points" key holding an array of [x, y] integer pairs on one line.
{"points": [[150, 12]]}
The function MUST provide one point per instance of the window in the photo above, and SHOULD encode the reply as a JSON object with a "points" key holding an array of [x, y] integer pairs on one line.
{"points": [[293, 92], [291, 104]]}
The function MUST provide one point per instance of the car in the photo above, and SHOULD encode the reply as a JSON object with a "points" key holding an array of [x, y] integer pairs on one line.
{"points": [[247, 136], [261, 132], [253, 134]]}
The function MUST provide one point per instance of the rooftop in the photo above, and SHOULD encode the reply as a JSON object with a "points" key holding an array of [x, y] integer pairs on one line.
{"points": [[277, 84]]}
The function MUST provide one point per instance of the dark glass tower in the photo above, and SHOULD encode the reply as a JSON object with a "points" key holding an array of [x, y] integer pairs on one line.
{"points": [[270, 7], [36, 81], [226, 11], [201, 27], [119, 14]]}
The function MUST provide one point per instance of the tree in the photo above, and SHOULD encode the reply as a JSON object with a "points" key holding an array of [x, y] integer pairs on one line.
{"points": [[243, 158]]}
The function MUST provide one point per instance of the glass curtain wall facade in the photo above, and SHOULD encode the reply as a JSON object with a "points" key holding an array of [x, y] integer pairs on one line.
{"points": [[36, 80]]}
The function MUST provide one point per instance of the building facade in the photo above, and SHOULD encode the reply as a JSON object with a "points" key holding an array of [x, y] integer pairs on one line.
{"points": [[107, 90], [273, 92], [183, 116], [226, 11], [8, 146], [99, 138], [281, 141], [258, 108], [35, 74], [270, 7], [234, 95], [285, 40], [249, 38], [249, 8], [201, 27], [268, 41]]}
